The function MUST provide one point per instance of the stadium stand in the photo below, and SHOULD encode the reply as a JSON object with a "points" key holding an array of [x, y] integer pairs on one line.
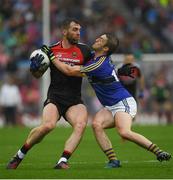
{"points": [[142, 27]]}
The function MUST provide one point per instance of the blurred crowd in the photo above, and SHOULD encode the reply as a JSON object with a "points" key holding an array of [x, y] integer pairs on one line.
{"points": [[146, 28], [157, 17]]}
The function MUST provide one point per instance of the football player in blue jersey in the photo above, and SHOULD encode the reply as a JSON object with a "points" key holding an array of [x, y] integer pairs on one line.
{"points": [[119, 106]]}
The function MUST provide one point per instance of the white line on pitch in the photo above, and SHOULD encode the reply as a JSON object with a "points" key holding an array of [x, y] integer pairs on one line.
{"points": [[84, 162]]}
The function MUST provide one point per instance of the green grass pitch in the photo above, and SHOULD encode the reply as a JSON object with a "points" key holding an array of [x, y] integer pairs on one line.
{"points": [[88, 161]]}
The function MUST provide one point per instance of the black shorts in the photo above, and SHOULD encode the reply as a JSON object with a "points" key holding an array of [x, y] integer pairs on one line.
{"points": [[62, 105]]}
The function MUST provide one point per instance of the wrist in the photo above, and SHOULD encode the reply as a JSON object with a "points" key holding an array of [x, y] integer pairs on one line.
{"points": [[48, 52], [51, 56]]}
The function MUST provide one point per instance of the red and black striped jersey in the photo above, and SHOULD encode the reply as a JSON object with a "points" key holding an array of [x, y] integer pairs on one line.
{"points": [[62, 85]]}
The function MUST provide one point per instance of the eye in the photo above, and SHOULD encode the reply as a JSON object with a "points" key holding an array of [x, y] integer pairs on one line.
{"points": [[76, 29]]}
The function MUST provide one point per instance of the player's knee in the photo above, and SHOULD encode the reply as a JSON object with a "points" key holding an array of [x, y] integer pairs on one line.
{"points": [[47, 127], [125, 134], [80, 126], [96, 125]]}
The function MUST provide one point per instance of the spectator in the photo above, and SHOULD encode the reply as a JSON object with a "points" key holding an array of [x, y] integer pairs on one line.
{"points": [[10, 101], [161, 94]]}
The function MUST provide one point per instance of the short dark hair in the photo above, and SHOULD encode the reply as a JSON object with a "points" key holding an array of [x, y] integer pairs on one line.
{"points": [[112, 43], [66, 23]]}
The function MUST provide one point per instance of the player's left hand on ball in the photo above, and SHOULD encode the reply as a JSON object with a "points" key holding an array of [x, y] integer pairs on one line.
{"points": [[48, 52]]}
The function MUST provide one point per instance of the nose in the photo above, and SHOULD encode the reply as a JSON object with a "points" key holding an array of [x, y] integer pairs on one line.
{"points": [[78, 33], [97, 40]]}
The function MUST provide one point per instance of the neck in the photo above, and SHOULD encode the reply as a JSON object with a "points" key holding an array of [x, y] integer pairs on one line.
{"points": [[66, 44], [99, 53]]}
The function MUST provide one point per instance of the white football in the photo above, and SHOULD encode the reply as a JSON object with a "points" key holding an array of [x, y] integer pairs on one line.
{"points": [[39, 51]]}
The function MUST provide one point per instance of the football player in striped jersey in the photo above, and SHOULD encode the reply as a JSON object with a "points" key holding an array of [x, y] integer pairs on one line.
{"points": [[64, 94]]}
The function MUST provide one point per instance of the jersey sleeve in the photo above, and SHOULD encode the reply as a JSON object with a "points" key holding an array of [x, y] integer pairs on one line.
{"points": [[92, 66]]}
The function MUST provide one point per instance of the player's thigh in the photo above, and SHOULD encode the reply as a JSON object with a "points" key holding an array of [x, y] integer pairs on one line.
{"points": [[126, 111], [123, 120], [104, 118], [77, 114], [50, 114]]}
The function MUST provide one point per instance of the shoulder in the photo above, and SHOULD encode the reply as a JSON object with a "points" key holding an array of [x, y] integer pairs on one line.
{"points": [[83, 46], [105, 58], [56, 44], [86, 51]]}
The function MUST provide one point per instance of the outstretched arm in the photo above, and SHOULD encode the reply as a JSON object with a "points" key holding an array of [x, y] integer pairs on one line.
{"points": [[77, 70], [67, 69]]}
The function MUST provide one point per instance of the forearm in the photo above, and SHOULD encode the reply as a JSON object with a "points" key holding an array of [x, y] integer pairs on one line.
{"points": [[67, 69]]}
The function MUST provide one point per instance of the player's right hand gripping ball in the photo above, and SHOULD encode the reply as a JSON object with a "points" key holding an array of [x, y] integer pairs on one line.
{"points": [[38, 58], [39, 63]]}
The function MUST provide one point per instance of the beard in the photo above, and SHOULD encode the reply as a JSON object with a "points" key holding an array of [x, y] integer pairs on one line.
{"points": [[72, 40]]}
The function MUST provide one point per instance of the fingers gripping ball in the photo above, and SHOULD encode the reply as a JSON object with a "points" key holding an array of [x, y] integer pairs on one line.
{"points": [[39, 63], [40, 56]]}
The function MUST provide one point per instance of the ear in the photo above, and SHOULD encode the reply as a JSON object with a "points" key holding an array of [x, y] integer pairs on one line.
{"points": [[64, 32], [105, 48]]}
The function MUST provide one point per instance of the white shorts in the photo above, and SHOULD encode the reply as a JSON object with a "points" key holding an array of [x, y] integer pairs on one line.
{"points": [[128, 105]]}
